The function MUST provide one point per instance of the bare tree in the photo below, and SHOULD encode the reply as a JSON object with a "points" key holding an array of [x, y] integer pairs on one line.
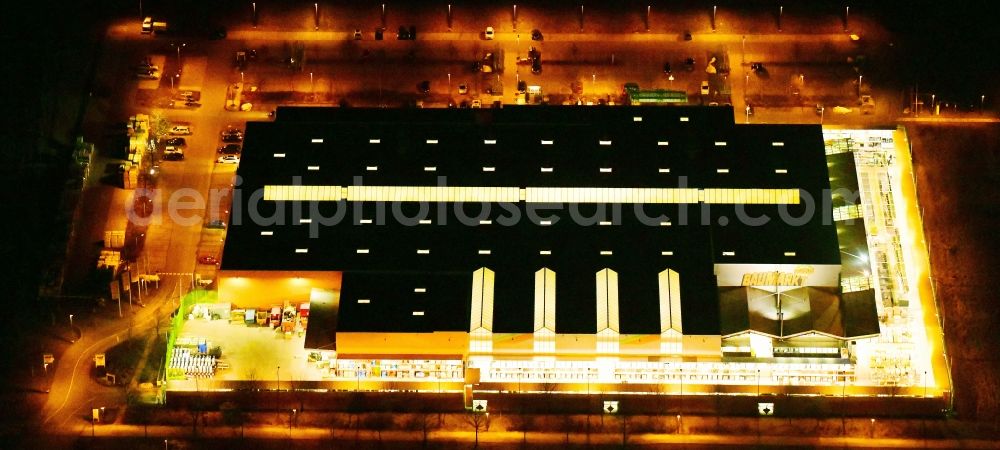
{"points": [[567, 426], [378, 422], [524, 423], [334, 422], [477, 421], [355, 405], [422, 421], [623, 419], [233, 415]]}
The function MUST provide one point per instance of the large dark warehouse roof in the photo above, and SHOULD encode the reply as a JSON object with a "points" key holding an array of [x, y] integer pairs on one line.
{"points": [[694, 148]]}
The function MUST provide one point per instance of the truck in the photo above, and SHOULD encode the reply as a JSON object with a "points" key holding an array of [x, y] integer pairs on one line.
{"points": [[152, 26]]}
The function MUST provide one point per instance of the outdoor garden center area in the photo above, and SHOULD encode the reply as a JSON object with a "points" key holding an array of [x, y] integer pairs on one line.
{"points": [[212, 342]]}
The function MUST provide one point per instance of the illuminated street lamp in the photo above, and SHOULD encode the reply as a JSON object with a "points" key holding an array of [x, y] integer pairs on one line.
{"points": [[648, 8], [982, 101], [449, 17], [847, 15], [179, 46], [781, 11], [860, 77], [714, 9], [514, 17], [316, 16], [581, 18], [743, 47], [253, 7]]}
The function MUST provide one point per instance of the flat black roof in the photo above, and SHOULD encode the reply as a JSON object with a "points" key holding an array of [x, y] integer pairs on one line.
{"points": [[381, 260]]}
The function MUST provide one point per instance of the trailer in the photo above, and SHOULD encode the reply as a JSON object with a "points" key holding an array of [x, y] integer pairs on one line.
{"points": [[152, 26]]}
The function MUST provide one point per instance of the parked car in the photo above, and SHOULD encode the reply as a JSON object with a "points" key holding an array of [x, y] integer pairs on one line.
{"points": [[666, 68], [477, 104], [148, 74], [689, 64], [704, 88], [536, 35], [230, 149], [216, 224], [424, 87], [522, 86], [357, 35], [534, 54], [402, 34], [228, 159], [208, 259], [175, 142], [463, 89], [232, 135], [183, 130], [488, 34], [536, 66], [175, 155]]}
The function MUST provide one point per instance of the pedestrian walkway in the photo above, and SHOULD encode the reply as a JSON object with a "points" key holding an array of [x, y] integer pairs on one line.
{"points": [[514, 438]]}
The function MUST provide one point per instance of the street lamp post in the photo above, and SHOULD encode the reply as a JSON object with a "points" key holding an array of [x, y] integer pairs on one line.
{"points": [[253, 8], [714, 10], [449, 17], [71, 329], [781, 11], [932, 104], [449, 85], [383, 15], [860, 77], [179, 46], [514, 18], [748, 121], [743, 48], [581, 18], [316, 16], [982, 103], [648, 8], [312, 87], [847, 15]]}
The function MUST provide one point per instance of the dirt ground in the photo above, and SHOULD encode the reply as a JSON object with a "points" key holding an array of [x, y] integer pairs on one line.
{"points": [[959, 188]]}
